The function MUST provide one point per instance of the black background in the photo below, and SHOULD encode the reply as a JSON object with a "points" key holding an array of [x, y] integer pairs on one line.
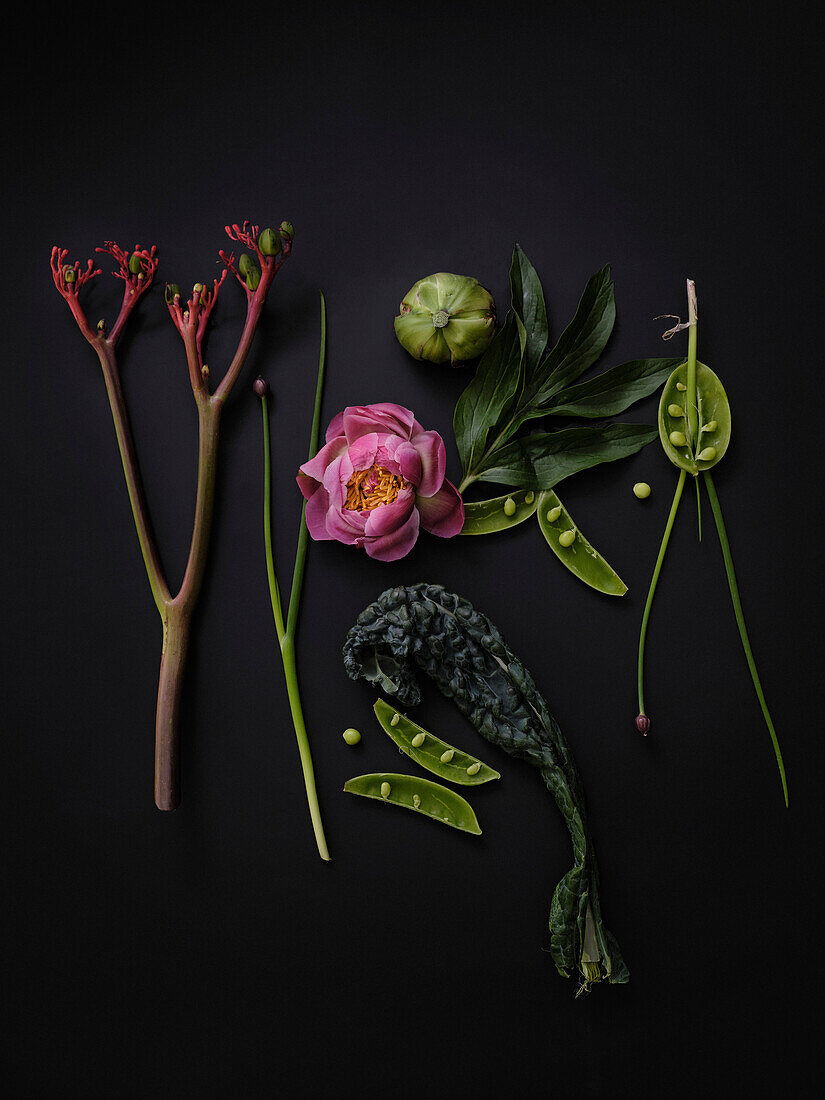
{"points": [[210, 952]]}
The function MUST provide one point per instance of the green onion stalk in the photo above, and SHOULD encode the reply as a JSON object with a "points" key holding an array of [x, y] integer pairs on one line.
{"points": [[694, 428], [286, 629], [255, 271]]}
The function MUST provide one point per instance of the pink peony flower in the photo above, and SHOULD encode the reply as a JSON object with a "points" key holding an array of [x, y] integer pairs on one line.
{"points": [[377, 479]]}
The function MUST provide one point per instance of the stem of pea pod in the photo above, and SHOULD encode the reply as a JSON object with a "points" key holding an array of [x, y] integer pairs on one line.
{"points": [[286, 631], [642, 721], [716, 508]]}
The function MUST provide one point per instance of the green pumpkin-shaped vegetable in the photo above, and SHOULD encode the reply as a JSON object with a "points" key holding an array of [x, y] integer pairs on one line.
{"points": [[446, 318]]}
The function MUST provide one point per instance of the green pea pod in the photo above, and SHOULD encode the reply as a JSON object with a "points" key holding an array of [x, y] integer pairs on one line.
{"points": [[498, 514], [421, 795], [714, 420], [431, 752], [572, 548]]}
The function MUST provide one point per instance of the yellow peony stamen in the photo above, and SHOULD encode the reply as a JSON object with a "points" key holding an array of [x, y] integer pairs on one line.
{"points": [[370, 488]]}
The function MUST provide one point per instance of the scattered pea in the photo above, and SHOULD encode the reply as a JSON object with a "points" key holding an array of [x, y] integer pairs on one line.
{"points": [[707, 454], [447, 756], [509, 506], [396, 718], [352, 736], [567, 538], [641, 489], [474, 769], [554, 514], [675, 410], [417, 741], [385, 790], [678, 439]]}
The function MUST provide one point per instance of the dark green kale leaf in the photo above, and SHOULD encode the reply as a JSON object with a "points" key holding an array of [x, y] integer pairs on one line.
{"points": [[425, 627]]}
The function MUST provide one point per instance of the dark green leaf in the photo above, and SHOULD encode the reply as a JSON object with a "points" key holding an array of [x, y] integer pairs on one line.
{"points": [[542, 460], [614, 391], [529, 308], [480, 405]]}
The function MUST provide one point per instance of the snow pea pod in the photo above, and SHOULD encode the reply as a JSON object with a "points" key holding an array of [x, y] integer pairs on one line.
{"points": [[430, 751], [712, 416], [422, 795], [572, 548], [499, 513]]}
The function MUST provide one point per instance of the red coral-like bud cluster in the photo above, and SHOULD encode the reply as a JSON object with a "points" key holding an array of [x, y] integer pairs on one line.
{"points": [[69, 278]]}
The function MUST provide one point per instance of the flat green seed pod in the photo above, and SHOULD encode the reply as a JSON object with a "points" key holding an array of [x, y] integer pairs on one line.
{"points": [[419, 795], [430, 751], [713, 411], [487, 516], [577, 554]]}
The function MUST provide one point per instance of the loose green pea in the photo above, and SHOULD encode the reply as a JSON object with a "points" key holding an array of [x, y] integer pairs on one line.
{"points": [[641, 489], [707, 454], [675, 410], [678, 439], [427, 798], [430, 751], [567, 538], [710, 426], [509, 506], [554, 514], [352, 736]]}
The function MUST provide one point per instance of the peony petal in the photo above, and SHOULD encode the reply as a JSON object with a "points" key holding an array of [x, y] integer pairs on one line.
{"points": [[431, 450], [386, 517], [360, 420], [316, 467], [395, 545], [336, 427], [307, 485], [362, 451], [346, 526], [443, 513], [409, 463], [316, 515]]}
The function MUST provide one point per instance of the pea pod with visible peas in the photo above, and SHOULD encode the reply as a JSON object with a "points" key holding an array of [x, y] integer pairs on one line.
{"points": [[694, 427], [420, 795], [430, 751], [572, 548], [484, 517]]}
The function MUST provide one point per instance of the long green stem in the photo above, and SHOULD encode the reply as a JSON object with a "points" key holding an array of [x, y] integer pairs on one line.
{"points": [[692, 409], [740, 622], [286, 634], [677, 496]]}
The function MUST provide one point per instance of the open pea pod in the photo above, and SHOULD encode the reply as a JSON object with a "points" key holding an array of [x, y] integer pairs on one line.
{"points": [[713, 419], [421, 795], [431, 752], [499, 513], [572, 548]]}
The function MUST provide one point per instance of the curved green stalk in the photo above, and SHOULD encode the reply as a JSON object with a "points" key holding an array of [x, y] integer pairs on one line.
{"points": [[677, 496], [286, 634], [740, 622], [691, 406]]}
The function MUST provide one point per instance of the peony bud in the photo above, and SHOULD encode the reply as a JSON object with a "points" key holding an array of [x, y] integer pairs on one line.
{"points": [[446, 318]]}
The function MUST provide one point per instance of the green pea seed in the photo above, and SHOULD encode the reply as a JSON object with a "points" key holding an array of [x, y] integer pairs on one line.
{"points": [[529, 497], [509, 506], [416, 801], [707, 454], [681, 386], [474, 769], [447, 756], [396, 718], [352, 736], [675, 410], [641, 489], [385, 790], [678, 439], [417, 741], [567, 538], [554, 514], [710, 426]]}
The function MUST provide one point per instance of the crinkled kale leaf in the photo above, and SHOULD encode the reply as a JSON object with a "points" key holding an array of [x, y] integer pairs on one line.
{"points": [[442, 634]]}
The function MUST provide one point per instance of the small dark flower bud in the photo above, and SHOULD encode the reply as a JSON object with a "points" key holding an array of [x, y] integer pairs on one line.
{"points": [[244, 263], [172, 291], [286, 231], [69, 274], [261, 387], [269, 243], [253, 277], [135, 264], [643, 724]]}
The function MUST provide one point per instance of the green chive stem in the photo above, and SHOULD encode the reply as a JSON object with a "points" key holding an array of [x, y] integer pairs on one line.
{"points": [[740, 622]]}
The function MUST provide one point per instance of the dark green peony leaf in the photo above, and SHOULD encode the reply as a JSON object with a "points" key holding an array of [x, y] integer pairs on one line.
{"points": [[613, 391], [529, 308]]}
